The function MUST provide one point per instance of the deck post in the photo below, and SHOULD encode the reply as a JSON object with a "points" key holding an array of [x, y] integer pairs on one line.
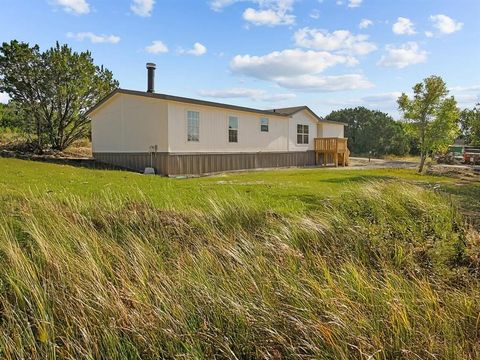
{"points": [[332, 149]]}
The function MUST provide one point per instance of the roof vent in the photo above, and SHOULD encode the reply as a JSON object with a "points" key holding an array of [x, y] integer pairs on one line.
{"points": [[151, 77]]}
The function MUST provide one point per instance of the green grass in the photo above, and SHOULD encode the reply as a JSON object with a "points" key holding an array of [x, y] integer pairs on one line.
{"points": [[282, 190], [300, 264]]}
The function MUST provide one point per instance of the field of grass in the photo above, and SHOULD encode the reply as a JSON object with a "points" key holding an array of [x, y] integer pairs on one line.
{"points": [[282, 190], [368, 264]]}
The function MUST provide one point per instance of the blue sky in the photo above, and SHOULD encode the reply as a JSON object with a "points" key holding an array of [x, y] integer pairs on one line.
{"points": [[326, 54]]}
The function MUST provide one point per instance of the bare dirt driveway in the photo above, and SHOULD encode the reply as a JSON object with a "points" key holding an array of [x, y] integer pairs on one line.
{"points": [[358, 162], [365, 163]]}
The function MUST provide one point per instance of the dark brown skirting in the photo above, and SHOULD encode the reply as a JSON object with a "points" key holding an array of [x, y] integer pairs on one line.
{"points": [[205, 163]]}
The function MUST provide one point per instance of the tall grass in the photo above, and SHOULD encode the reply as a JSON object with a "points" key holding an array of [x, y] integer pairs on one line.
{"points": [[384, 271]]}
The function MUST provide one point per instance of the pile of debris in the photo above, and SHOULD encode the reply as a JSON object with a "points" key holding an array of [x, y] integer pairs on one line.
{"points": [[460, 154], [462, 172]]}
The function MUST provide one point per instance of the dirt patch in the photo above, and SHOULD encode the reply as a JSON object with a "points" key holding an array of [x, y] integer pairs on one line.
{"points": [[464, 174]]}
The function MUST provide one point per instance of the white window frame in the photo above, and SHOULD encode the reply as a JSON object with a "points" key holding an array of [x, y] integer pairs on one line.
{"points": [[304, 135], [189, 127], [267, 124], [231, 117]]}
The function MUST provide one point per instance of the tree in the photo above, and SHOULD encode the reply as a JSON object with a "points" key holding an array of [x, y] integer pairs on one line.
{"points": [[372, 131], [10, 116], [55, 88], [470, 125], [433, 114]]}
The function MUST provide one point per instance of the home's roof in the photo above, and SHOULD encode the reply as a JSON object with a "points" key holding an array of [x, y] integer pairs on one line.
{"points": [[285, 112], [290, 110], [180, 99], [296, 109]]}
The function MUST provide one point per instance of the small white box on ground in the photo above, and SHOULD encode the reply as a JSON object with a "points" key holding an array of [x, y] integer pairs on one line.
{"points": [[149, 171]]}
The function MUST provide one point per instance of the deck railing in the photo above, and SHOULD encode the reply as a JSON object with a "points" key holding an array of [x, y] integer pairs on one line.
{"points": [[333, 149]]}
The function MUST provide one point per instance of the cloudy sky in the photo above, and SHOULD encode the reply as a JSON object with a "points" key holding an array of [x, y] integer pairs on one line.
{"points": [[327, 54]]}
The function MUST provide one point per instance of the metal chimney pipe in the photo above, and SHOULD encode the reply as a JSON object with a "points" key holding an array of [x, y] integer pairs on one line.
{"points": [[151, 77]]}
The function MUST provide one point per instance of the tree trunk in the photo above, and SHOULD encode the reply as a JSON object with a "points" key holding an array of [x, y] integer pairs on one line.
{"points": [[38, 130], [423, 157]]}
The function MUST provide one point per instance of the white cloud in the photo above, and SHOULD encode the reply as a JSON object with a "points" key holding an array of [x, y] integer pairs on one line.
{"points": [[365, 23], [78, 7], [218, 5], [197, 50], [157, 47], [445, 24], [252, 94], [468, 101], [299, 69], [470, 88], [290, 62], [403, 26], [351, 3], [383, 101], [339, 40], [325, 83], [269, 12], [268, 17], [467, 96], [142, 8], [428, 34], [354, 3], [315, 14], [403, 56], [279, 97], [96, 39], [4, 98], [382, 98]]}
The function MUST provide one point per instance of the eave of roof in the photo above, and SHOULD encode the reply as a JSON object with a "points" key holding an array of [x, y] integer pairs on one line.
{"points": [[290, 111], [284, 112], [181, 99]]}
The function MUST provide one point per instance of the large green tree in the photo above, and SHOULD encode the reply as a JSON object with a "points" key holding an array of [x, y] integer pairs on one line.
{"points": [[372, 131], [55, 89], [470, 125], [433, 114]]}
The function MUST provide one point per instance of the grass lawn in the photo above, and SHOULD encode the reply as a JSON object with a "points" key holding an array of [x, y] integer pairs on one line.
{"points": [[290, 190], [287, 264]]}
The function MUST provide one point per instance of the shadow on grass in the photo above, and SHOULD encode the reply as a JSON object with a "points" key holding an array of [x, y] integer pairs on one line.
{"points": [[88, 163], [355, 179], [467, 196], [314, 201]]}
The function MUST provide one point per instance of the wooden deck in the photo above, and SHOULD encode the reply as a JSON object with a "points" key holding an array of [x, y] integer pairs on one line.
{"points": [[331, 151]]}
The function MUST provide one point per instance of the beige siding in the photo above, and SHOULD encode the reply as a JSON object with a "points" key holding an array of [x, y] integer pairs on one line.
{"points": [[130, 124], [303, 118], [204, 163], [331, 130], [214, 131]]}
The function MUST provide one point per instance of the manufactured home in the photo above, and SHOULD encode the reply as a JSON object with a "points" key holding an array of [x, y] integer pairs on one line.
{"points": [[181, 136]]}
